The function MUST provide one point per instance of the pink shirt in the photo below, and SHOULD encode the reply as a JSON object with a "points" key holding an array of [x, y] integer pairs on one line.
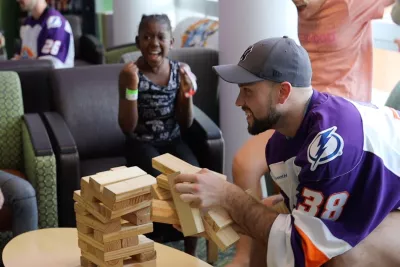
{"points": [[338, 37]]}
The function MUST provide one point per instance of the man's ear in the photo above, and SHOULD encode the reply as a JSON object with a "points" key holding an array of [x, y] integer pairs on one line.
{"points": [[285, 89], [172, 42], [137, 42]]}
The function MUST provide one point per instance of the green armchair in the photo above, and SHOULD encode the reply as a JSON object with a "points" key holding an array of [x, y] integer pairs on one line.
{"points": [[25, 149]]}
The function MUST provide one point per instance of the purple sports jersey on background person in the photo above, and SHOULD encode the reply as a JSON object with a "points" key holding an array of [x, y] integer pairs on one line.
{"points": [[49, 37], [339, 177]]}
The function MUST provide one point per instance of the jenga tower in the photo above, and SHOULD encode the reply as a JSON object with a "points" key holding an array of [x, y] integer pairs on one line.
{"points": [[113, 214]]}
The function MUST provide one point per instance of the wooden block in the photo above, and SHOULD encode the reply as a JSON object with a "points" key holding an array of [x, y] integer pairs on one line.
{"points": [[111, 204], [98, 181], [162, 181], [138, 217], [224, 238], [109, 214], [92, 258], [118, 168], [189, 218], [92, 222], [92, 207], [169, 164], [83, 228], [146, 256], [112, 245], [130, 202], [218, 218], [212, 252], [128, 262], [129, 230], [86, 193], [160, 193], [129, 188], [104, 214], [163, 211], [86, 263], [79, 209], [130, 241], [145, 245], [98, 236]]}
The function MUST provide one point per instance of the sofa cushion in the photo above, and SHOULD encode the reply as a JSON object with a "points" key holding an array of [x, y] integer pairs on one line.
{"points": [[87, 99], [93, 166]]}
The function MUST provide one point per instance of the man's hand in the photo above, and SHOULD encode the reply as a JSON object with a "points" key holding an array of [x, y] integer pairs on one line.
{"points": [[128, 77], [1, 199], [203, 189]]}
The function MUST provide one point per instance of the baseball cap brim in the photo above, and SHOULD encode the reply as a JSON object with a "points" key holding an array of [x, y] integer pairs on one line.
{"points": [[233, 73]]}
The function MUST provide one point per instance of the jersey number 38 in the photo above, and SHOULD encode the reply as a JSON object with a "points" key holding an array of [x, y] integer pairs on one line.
{"points": [[313, 201]]}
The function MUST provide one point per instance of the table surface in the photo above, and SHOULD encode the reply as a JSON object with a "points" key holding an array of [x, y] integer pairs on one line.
{"points": [[59, 247]]}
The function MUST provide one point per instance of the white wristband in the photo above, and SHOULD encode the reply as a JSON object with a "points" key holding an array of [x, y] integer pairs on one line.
{"points": [[131, 95]]}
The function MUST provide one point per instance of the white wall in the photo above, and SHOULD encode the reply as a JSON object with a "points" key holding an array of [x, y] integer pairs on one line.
{"points": [[127, 15]]}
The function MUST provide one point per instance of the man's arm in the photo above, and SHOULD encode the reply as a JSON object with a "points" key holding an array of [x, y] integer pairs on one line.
{"points": [[367, 10], [56, 42], [254, 218]]}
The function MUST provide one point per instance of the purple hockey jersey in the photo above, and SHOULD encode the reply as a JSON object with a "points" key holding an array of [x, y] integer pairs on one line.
{"points": [[340, 177], [49, 37]]}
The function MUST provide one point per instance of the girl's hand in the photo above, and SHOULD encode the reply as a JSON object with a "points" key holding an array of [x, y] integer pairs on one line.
{"points": [[188, 80], [129, 77]]}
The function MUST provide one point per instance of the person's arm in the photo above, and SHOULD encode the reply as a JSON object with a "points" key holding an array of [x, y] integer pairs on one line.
{"points": [[254, 218], [55, 43], [128, 83], [367, 10], [184, 104]]}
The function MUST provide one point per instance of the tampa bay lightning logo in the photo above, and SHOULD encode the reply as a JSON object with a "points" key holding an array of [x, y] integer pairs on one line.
{"points": [[326, 146], [246, 53]]}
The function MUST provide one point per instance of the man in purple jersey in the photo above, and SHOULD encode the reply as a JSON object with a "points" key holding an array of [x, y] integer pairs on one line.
{"points": [[335, 161], [46, 34]]}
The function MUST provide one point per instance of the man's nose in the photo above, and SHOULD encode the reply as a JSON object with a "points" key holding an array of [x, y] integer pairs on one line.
{"points": [[239, 100]]}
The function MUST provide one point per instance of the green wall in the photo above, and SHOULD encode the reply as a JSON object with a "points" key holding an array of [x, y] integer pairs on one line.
{"points": [[9, 12]]}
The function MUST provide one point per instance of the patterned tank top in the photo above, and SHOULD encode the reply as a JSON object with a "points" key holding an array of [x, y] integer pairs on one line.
{"points": [[156, 107]]}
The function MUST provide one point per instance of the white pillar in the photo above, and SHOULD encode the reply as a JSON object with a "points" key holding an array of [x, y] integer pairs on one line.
{"points": [[243, 23], [127, 15]]}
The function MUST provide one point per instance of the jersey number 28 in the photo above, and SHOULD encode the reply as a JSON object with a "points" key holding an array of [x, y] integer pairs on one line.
{"points": [[51, 47], [313, 200]]}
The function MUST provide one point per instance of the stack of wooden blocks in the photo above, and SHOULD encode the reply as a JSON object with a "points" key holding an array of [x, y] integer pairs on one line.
{"points": [[167, 206], [113, 214]]}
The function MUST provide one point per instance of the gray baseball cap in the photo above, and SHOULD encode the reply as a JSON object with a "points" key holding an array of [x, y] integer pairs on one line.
{"points": [[274, 59]]}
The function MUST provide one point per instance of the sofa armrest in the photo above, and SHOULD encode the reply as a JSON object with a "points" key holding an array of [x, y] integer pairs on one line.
{"points": [[61, 137], [204, 127], [38, 135], [40, 168], [205, 139], [68, 167], [91, 50]]}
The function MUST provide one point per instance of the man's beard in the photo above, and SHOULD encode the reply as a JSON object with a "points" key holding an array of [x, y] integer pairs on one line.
{"points": [[262, 125]]}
